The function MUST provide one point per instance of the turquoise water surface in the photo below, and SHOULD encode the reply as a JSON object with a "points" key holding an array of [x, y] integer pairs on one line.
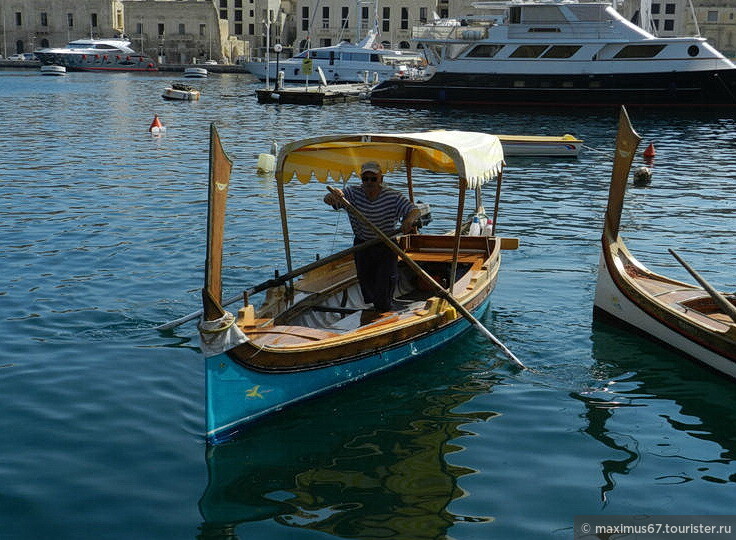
{"points": [[102, 238]]}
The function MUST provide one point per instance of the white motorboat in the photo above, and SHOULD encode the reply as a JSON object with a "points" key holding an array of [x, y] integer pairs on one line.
{"points": [[53, 70], [565, 54], [195, 73], [97, 55], [342, 63]]}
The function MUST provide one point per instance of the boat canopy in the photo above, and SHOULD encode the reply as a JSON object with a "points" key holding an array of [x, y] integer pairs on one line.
{"points": [[475, 157]]}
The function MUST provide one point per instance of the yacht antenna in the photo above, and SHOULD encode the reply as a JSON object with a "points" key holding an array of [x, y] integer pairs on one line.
{"points": [[695, 19]]}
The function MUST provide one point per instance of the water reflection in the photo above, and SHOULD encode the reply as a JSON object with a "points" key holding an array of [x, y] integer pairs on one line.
{"points": [[377, 470], [697, 406]]}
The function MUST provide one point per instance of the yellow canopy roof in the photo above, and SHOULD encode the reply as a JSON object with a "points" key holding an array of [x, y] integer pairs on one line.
{"points": [[477, 157]]}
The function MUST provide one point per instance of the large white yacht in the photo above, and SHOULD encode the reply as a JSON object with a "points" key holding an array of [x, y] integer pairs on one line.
{"points": [[566, 54], [344, 62], [97, 55]]}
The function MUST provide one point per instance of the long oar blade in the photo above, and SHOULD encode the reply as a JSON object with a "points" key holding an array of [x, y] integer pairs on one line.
{"points": [[424, 275], [727, 307]]}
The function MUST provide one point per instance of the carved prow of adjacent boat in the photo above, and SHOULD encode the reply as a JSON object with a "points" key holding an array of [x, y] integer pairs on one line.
{"points": [[627, 141], [219, 181]]}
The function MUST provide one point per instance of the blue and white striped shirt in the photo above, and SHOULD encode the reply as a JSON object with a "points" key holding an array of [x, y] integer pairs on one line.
{"points": [[385, 212]]}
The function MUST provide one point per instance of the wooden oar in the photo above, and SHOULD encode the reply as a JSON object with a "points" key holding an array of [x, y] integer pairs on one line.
{"points": [[273, 282], [424, 275], [727, 307]]}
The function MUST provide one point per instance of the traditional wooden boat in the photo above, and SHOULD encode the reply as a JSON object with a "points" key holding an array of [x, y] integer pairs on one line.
{"points": [[312, 333], [541, 145], [699, 322]]}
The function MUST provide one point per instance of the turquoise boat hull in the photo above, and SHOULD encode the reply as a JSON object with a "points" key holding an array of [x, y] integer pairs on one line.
{"points": [[236, 396]]}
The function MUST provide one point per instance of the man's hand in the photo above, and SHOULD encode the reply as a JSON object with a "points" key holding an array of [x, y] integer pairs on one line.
{"points": [[334, 200], [407, 226]]}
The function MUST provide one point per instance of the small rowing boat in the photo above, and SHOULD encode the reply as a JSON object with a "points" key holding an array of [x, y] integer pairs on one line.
{"points": [[313, 333], [181, 92], [541, 145], [697, 321]]}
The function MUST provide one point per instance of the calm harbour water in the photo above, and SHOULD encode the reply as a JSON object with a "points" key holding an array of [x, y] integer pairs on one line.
{"points": [[102, 238]]}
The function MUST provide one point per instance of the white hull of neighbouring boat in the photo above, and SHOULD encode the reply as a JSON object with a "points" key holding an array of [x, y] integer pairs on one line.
{"points": [[614, 303], [236, 396]]}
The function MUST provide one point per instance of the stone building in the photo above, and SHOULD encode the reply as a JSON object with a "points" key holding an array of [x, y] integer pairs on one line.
{"points": [[717, 22], [332, 21], [181, 31]]}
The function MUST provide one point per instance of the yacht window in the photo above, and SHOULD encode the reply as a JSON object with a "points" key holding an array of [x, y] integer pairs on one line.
{"points": [[484, 51], [515, 14], [528, 51], [693, 50], [375, 58], [546, 29], [639, 51], [561, 51]]}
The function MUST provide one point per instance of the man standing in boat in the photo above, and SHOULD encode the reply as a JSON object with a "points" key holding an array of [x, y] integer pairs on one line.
{"points": [[377, 265]]}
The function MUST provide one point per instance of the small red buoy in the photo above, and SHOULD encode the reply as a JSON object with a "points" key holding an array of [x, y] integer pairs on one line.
{"points": [[156, 124], [650, 152]]}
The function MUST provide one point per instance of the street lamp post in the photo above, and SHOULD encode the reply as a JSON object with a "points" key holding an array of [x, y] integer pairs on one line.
{"points": [[277, 49]]}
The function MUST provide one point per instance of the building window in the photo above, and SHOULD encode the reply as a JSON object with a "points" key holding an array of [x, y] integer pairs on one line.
{"points": [[251, 29], [325, 17], [93, 20], [712, 16], [669, 25], [18, 19], [223, 14], [305, 18], [202, 29], [655, 22], [422, 15], [404, 18], [344, 16], [386, 23], [669, 9], [44, 19], [182, 29], [223, 3], [238, 3], [161, 29], [139, 28], [238, 28], [238, 15], [70, 20], [364, 17], [251, 14], [655, 9]]}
